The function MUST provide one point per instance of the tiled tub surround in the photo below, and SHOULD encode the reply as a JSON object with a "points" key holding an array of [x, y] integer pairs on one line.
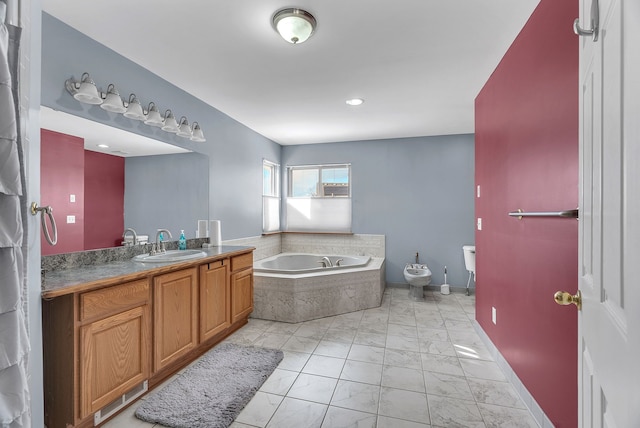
{"points": [[297, 298], [303, 297], [315, 243]]}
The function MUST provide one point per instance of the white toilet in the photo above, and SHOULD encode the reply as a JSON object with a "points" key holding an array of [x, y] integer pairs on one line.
{"points": [[469, 252], [417, 275]]}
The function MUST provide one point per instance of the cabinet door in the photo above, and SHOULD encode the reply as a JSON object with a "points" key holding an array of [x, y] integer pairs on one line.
{"points": [[175, 316], [114, 357], [215, 310], [241, 294]]}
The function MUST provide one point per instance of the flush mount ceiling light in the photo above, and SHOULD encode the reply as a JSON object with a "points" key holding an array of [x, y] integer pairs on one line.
{"points": [[355, 101], [294, 25], [87, 92]]}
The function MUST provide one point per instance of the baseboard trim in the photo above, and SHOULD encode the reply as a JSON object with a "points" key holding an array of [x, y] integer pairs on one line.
{"points": [[534, 408]]}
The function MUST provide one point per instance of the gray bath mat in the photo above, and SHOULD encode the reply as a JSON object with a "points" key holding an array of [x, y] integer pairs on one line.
{"points": [[212, 392]]}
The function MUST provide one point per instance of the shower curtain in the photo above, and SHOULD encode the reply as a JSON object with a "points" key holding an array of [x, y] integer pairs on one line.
{"points": [[14, 340]]}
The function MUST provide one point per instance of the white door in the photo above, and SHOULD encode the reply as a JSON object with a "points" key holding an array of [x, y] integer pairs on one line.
{"points": [[609, 247]]}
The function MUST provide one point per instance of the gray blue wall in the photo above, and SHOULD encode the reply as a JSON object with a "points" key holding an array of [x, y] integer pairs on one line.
{"points": [[419, 192], [166, 191], [235, 152]]}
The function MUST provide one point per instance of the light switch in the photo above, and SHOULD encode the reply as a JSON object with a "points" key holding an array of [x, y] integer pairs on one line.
{"points": [[494, 315], [478, 191], [71, 219], [479, 223], [72, 198]]}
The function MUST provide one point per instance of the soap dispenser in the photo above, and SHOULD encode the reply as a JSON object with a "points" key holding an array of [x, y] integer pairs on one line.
{"points": [[182, 242]]}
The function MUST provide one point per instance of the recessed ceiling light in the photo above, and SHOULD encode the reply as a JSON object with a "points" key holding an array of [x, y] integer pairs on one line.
{"points": [[103, 146], [355, 101]]}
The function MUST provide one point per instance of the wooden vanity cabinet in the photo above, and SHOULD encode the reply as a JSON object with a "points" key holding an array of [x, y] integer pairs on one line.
{"points": [[104, 346], [241, 286], [108, 332], [175, 316], [215, 308]]}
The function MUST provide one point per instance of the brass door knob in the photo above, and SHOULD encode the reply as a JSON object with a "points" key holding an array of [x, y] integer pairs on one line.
{"points": [[564, 298]]}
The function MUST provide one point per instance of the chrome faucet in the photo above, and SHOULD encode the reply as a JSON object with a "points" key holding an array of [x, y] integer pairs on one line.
{"points": [[135, 236], [339, 261], [326, 262], [159, 244]]}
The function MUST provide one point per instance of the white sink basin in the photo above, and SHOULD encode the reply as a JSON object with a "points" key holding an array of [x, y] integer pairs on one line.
{"points": [[170, 256]]}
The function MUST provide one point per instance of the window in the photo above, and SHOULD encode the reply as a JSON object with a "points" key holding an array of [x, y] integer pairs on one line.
{"points": [[319, 198], [270, 196]]}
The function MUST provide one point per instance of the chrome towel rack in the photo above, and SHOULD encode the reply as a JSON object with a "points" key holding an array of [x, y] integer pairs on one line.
{"points": [[35, 209], [565, 214]]}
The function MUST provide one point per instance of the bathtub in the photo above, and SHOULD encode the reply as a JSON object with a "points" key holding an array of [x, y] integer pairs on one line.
{"points": [[294, 287], [297, 263]]}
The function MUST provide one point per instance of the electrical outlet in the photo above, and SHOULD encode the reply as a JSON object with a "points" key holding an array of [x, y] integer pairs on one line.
{"points": [[494, 315], [478, 191], [71, 219], [479, 223], [72, 198]]}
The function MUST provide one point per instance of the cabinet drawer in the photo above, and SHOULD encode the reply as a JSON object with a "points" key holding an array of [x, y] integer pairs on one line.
{"points": [[241, 262], [111, 300]]}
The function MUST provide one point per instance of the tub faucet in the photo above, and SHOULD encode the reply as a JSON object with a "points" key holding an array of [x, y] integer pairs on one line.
{"points": [[159, 244], [338, 262], [133, 232], [326, 262]]}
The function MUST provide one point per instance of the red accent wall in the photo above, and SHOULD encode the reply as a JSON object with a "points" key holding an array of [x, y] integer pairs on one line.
{"points": [[104, 200], [62, 175], [527, 157]]}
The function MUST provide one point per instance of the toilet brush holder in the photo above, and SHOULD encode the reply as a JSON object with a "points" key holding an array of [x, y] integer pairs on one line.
{"points": [[444, 288]]}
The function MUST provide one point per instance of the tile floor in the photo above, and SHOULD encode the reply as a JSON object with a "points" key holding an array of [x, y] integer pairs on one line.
{"points": [[405, 364]]}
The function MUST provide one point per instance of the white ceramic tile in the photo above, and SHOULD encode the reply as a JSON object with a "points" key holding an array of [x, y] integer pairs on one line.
{"points": [[402, 330], [438, 347], [408, 405], [388, 422], [324, 366], [371, 339], [432, 333], [313, 388], [294, 413], [403, 343], [441, 364], [337, 417], [279, 382], [359, 371], [311, 331], [283, 328], [293, 360], [271, 340], [301, 344], [369, 354], [260, 409], [339, 335], [450, 412], [482, 369], [403, 378], [333, 349], [400, 358], [356, 396], [499, 417], [447, 385], [493, 392]]}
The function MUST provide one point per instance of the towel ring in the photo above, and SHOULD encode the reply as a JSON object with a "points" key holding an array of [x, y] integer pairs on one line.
{"points": [[45, 229]]}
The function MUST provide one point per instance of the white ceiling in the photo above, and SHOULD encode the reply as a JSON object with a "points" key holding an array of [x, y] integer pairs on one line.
{"points": [[418, 64], [120, 143]]}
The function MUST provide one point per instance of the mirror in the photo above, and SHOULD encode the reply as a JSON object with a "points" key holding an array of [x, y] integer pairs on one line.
{"points": [[136, 182]]}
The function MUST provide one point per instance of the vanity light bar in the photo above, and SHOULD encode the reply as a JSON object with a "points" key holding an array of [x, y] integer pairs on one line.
{"points": [[86, 91]]}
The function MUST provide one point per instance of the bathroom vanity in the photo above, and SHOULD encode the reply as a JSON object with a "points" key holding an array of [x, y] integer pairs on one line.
{"points": [[112, 332]]}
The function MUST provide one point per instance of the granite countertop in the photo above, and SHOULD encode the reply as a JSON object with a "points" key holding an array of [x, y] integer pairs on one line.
{"points": [[60, 282]]}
